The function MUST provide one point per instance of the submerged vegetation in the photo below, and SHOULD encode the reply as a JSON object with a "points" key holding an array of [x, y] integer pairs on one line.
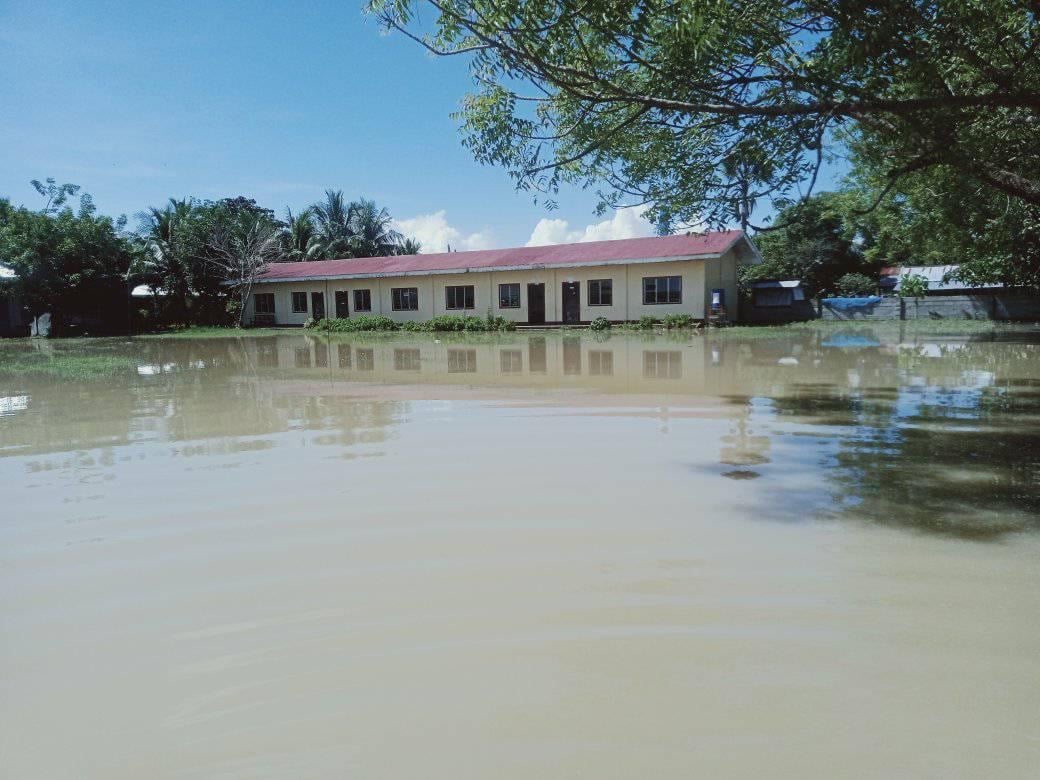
{"points": [[61, 364]]}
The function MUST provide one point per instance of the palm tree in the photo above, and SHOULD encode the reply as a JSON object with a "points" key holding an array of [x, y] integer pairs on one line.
{"points": [[408, 246], [168, 243], [333, 230], [299, 236], [373, 231]]}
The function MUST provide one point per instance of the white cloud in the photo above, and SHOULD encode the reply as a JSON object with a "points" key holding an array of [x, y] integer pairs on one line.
{"points": [[626, 223], [436, 235]]}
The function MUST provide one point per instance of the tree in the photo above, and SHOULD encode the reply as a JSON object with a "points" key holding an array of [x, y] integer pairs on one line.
{"points": [[69, 263], [853, 285], [703, 107], [373, 231], [240, 249], [356, 228], [937, 217], [172, 239], [298, 236], [334, 233], [816, 245], [408, 246]]}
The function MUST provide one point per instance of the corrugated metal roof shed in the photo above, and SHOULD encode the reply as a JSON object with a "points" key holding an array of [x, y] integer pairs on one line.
{"points": [[937, 276]]}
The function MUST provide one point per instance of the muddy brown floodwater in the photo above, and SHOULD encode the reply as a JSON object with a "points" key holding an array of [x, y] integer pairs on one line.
{"points": [[527, 556]]}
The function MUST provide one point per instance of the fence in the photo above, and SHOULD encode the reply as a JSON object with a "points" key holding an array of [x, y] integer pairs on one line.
{"points": [[982, 306]]}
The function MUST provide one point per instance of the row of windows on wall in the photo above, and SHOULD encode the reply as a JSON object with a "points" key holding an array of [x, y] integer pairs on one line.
{"points": [[657, 364], [656, 290]]}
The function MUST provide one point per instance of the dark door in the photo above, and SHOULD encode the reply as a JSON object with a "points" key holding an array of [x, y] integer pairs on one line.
{"points": [[342, 309], [318, 305], [536, 355], [572, 356], [536, 304], [571, 302]]}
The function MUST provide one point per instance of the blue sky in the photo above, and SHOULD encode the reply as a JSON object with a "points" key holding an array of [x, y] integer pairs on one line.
{"points": [[138, 102]]}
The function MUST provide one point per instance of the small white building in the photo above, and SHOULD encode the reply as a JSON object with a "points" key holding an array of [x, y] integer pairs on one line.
{"points": [[560, 284]]}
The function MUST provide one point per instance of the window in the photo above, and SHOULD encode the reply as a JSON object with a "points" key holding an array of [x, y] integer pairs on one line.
{"points": [[342, 309], [303, 357], [458, 297], [512, 361], [601, 292], [406, 360], [462, 361], [267, 353], [362, 300], [321, 354], [662, 365], [344, 356], [299, 302], [405, 298], [662, 289], [366, 359], [263, 303], [769, 297], [509, 296], [601, 362]]}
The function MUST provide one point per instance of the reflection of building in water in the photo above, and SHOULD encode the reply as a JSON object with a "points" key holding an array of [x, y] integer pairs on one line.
{"points": [[648, 365], [206, 397]]}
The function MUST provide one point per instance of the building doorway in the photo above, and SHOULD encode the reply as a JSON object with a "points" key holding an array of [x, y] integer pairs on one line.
{"points": [[536, 304], [571, 303]]}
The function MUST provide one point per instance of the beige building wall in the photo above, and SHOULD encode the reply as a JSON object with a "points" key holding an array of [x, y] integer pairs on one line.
{"points": [[699, 277]]}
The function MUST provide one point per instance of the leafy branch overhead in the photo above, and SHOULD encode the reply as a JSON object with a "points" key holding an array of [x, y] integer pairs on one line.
{"points": [[702, 107]]}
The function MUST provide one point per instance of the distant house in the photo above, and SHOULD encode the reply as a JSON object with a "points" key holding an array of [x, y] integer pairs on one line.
{"points": [[565, 284], [939, 277], [778, 300]]}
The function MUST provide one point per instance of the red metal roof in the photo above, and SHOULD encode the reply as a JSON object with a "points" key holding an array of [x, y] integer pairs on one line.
{"points": [[588, 253]]}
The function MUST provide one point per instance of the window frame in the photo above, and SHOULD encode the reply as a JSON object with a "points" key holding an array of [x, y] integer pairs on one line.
{"points": [[266, 296], [366, 291], [462, 361], [511, 361], [668, 292], [399, 295], [469, 297], [597, 299], [503, 303], [296, 296]]}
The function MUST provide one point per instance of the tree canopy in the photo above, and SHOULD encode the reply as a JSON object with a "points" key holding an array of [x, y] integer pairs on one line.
{"points": [[702, 108], [74, 262], [66, 261]]}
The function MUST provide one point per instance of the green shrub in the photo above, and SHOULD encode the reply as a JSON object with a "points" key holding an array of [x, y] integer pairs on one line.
{"points": [[498, 323], [674, 321], [913, 286], [446, 323], [855, 286], [600, 323], [646, 322], [362, 322], [412, 326]]}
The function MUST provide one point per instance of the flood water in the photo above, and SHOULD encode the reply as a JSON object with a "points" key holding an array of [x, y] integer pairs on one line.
{"points": [[528, 555]]}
